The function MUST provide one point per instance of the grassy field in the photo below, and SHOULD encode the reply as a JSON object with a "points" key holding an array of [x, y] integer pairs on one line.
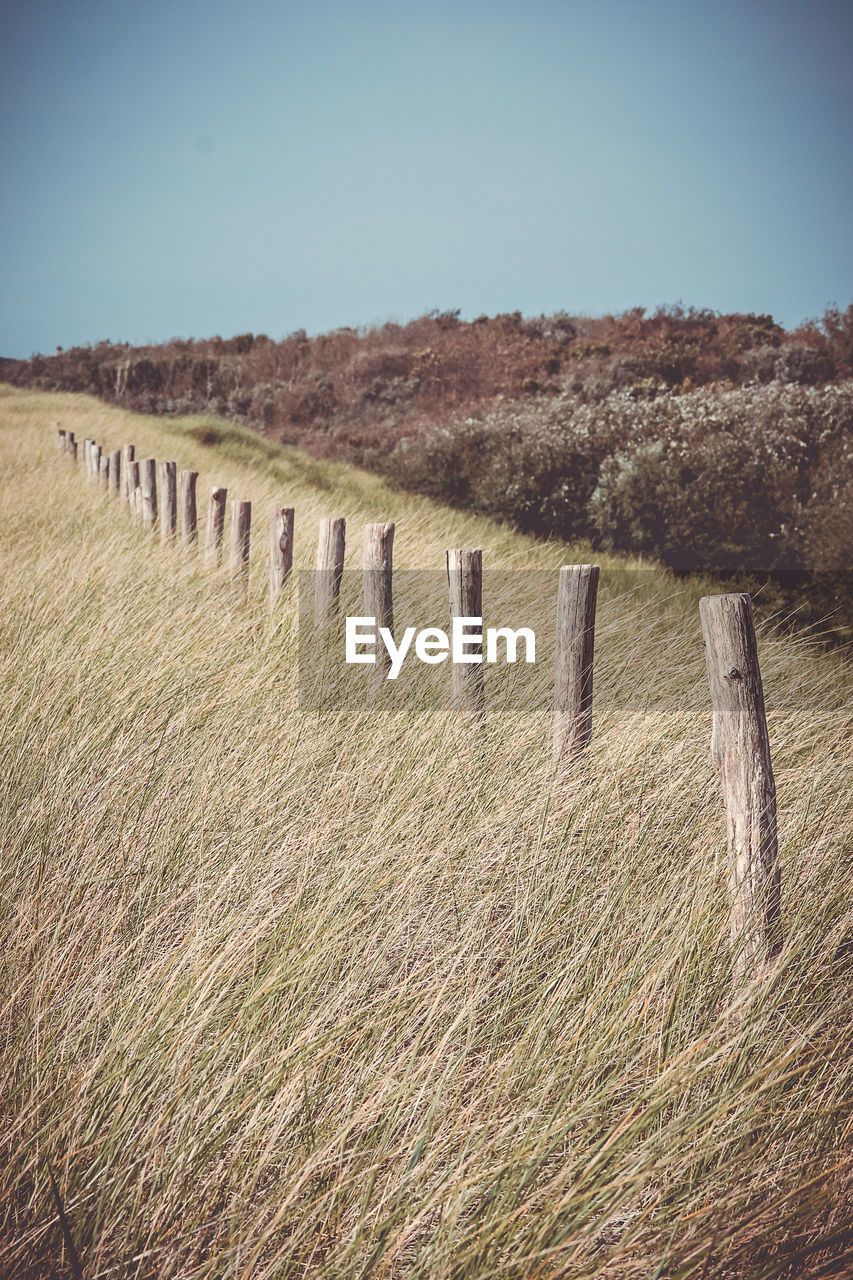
{"points": [[344, 995]]}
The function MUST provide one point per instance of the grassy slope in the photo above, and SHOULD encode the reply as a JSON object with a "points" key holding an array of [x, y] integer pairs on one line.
{"points": [[341, 997]]}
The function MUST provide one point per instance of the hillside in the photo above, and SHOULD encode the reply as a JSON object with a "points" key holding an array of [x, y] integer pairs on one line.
{"points": [[292, 994], [710, 442]]}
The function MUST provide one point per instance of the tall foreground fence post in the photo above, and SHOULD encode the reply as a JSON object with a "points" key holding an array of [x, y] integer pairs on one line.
{"points": [[741, 750], [148, 485], [168, 501], [189, 517], [465, 582], [241, 523], [215, 524], [281, 550], [576, 600], [331, 547]]}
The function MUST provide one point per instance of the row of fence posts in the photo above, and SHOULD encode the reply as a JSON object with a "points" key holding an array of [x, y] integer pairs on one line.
{"points": [[739, 742]]}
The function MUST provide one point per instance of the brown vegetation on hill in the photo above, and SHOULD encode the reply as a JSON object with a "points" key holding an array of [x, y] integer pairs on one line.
{"points": [[709, 441], [348, 391]]}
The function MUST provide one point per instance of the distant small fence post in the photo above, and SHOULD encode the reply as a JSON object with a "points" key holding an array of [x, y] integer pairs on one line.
{"points": [[134, 492], [115, 473], [741, 749], [215, 525], [128, 455], [104, 471], [378, 591], [70, 444], [331, 548], [94, 462], [60, 439], [168, 501], [465, 582], [573, 658], [148, 485], [241, 522], [73, 450], [281, 550], [189, 518]]}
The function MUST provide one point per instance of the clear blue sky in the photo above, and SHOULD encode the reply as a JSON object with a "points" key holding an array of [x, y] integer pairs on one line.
{"points": [[192, 168]]}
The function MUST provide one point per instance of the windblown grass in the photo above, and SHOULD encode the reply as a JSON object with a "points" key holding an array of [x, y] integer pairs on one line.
{"points": [[342, 996]]}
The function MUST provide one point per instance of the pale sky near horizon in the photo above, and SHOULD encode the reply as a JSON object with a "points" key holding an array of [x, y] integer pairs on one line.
{"points": [[189, 169]]}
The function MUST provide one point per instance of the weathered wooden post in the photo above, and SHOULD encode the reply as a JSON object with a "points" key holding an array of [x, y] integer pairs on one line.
{"points": [[73, 450], [128, 456], [281, 550], [148, 485], [378, 596], [189, 518], [241, 522], [465, 581], [70, 446], [215, 525], [331, 547], [115, 473], [60, 439], [104, 471], [94, 462], [741, 750], [134, 492], [168, 501], [576, 598]]}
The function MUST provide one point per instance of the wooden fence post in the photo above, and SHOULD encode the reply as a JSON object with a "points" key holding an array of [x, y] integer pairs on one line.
{"points": [[331, 547], [576, 599], [70, 445], [60, 439], [148, 485], [241, 522], [104, 471], [741, 750], [94, 462], [168, 501], [281, 550], [134, 492], [128, 456], [73, 450], [215, 525], [189, 518], [378, 594], [465, 581], [115, 473]]}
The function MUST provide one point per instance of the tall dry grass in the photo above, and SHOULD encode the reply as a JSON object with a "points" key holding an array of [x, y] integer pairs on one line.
{"points": [[343, 996]]}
